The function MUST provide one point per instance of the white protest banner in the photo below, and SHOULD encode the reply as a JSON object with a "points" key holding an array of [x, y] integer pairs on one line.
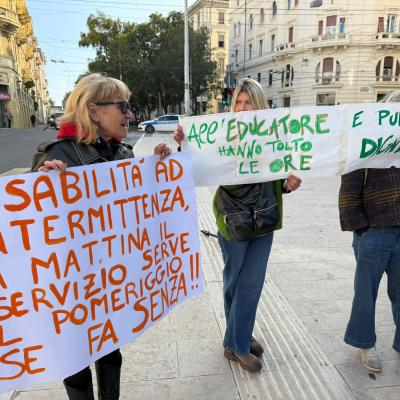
{"points": [[265, 145], [90, 259]]}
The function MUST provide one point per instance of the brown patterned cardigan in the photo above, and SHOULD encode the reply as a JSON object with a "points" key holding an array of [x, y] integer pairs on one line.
{"points": [[373, 203]]}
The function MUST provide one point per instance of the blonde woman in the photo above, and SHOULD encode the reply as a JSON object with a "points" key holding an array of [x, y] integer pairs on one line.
{"points": [[95, 122], [245, 257]]}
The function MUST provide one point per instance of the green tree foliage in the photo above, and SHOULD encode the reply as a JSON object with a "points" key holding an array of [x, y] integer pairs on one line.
{"points": [[149, 58]]}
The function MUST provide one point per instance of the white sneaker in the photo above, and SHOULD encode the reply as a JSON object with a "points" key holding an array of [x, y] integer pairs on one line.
{"points": [[371, 360]]}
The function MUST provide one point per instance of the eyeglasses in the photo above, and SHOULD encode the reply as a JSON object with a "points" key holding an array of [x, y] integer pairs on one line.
{"points": [[123, 105]]}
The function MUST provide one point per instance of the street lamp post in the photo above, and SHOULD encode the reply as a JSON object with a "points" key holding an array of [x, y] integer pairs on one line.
{"points": [[186, 68]]}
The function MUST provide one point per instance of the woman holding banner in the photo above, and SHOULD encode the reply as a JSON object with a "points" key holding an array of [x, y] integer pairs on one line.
{"points": [[369, 207], [95, 122], [246, 217]]}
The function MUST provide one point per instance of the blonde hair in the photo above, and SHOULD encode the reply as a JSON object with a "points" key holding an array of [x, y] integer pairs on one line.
{"points": [[92, 88], [255, 92]]}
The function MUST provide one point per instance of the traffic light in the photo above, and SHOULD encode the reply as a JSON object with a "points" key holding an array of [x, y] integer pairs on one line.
{"points": [[225, 96]]}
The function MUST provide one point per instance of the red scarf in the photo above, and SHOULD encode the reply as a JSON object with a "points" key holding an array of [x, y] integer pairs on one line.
{"points": [[71, 130], [67, 130]]}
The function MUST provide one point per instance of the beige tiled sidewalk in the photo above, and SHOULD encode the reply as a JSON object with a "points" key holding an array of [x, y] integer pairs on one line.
{"points": [[301, 320]]}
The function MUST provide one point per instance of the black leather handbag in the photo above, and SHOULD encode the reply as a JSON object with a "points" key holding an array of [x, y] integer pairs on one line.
{"points": [[250, 211]]}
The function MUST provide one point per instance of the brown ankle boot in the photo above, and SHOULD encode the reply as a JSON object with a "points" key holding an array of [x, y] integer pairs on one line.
{"points": [[255, 347], [248, 361]]}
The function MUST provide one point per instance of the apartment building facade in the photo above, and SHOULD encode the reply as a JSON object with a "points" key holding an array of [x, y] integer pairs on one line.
{"points": [[320, 52], [213, 14], [23, 83]]}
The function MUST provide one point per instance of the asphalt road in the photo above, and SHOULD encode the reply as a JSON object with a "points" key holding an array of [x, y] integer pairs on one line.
{"points": [[18, 145]]}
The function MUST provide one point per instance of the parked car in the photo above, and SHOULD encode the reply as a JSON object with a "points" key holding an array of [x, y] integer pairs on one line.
{"points": [[57, 119], [165, 123], [50, 120]]}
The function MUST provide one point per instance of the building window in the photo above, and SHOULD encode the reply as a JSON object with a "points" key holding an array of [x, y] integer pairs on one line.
{"points": [[250, 50], [236, 55], [330, 30], [198, 20], [391, 23], [331, 71], [325, 99], [381, 24], [296, 3], [221, 41], [380, 97], [251, 21], [259, 77], [291, 34], [287, 76], [388, 69], [237, 2], [221, 18], [274, 9], [239, 26], [234, 30], [260, 47], [320, 28], [270, 77], [221, 65], [286, 102], [289, 4], [262, 16], [272, 42], [342, 26]]}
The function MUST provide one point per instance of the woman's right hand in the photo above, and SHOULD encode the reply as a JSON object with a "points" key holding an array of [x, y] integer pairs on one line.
{"points": [[53, 164], [178, 135]]}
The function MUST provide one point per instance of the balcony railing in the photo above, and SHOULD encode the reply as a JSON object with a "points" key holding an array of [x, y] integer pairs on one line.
{"points": [[28, 53], [388, 77], [232, 67], [27, 78], [22, 12], [286, 46], [21, 37], [287, 83], [387, 35], [327, 79], [329, 36], [9, 18]]}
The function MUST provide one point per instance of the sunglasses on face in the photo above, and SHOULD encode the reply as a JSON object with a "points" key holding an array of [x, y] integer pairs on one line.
{"points": [[124, 106]]}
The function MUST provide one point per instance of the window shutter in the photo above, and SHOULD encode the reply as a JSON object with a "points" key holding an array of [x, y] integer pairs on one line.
{"points": [[291, 34], [320, 27], [381, 25], [327, 65], [331, 20]]}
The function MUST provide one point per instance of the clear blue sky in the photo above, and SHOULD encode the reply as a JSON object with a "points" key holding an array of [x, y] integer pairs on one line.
{"points": [[58, 24]]}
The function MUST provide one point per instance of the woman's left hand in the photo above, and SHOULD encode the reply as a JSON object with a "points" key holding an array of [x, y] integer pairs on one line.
{"points": [[162, 150], [292, 183]]}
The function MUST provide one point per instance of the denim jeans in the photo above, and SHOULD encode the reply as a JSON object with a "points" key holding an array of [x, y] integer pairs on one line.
{"points": [[376, 250], [244, 274], [108, 370]]}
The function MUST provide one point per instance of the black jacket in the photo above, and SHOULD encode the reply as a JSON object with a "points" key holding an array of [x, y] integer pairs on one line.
{"points": [[75, 154]]}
